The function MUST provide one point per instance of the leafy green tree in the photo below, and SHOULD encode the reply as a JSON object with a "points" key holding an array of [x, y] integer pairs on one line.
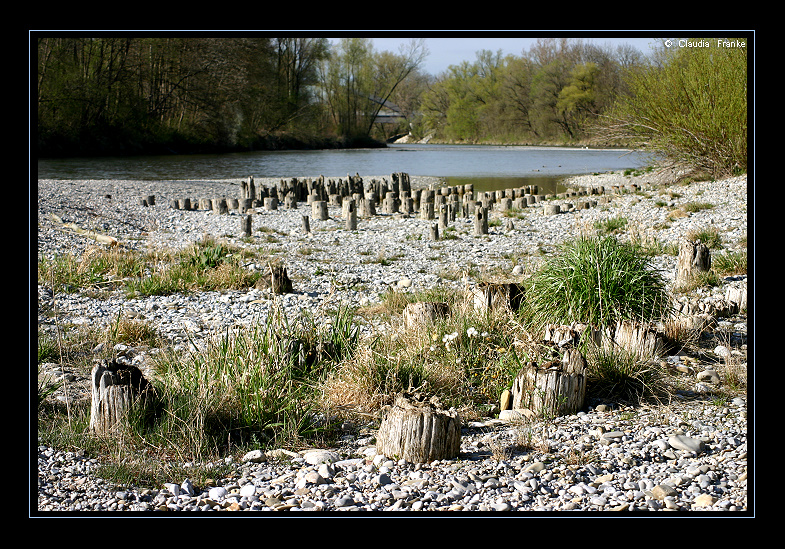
{"points": [[358, 82]]}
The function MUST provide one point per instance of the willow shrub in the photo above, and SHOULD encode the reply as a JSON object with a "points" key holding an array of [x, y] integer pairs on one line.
{"points": [[690, 108], [598, 281]]}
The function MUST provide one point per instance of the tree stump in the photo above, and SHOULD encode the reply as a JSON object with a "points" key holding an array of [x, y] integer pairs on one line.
{"points": [[246, 224], [117, 391], [481, 221], [434, 231], [423, 313], [555, 388], [279, 280], [641, 339], [489, 296], [319, 210], [419, 432], [694, 258]]}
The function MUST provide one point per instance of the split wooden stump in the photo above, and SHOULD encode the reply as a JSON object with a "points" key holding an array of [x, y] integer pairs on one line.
{"points": [[553, 388], [694, 258], [419, 432], [423, 313], [488, 296], [118, 390]]}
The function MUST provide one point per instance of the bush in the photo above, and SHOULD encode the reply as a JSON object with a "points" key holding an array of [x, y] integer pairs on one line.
{"points": [[598, 281], [689, 107]]}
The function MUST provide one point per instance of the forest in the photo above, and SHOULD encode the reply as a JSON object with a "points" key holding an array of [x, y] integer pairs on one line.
{"points": [[188, 94]]}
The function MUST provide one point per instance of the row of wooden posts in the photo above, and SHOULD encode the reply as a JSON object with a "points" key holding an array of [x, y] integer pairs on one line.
{"points": [[394, 197]]}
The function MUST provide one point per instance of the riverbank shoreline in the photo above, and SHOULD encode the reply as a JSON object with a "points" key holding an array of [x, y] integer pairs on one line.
{"points": [[352, 273]]}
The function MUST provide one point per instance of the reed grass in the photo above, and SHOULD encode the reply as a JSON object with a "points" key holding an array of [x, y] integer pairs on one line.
{"points": [[598, 281]]}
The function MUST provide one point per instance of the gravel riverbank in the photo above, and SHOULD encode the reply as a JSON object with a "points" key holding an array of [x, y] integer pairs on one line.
{"points": [[688, 456]]}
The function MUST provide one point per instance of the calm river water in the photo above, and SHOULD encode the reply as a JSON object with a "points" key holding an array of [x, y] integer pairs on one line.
{"points": [[487, 167]]}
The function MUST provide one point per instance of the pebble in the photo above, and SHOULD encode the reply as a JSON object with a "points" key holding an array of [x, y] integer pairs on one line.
{"points": [[659, 464], [684, 456]]}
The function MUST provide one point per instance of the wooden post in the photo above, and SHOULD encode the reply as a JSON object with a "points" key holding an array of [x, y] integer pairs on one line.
{"points": [[419, 432], [306, 224], [434, 231], [443, 216], [117, 390], [350, 211], [694, 258], [555, 388], [319, 209], [245, 225], [481, 220]]}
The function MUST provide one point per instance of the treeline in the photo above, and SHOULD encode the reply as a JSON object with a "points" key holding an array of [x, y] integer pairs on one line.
{"points": [[686, 101], [197, 94], [190, 94]]}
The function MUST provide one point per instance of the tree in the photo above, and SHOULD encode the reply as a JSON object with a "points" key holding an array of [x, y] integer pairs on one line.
{"points": [[358, 82]]}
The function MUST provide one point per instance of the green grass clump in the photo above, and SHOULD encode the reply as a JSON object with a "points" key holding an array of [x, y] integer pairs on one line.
{"points": [[598, 281]]}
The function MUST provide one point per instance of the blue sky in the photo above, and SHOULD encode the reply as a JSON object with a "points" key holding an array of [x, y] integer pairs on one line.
{"points": [[453, 48]]}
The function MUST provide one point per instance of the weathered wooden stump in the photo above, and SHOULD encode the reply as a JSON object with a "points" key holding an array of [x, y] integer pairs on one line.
{"points": [[639, 339], [117, 391], [694, 258], [554, 388], [491, 295], [246, 224], [306, 224], [481, 220], [319, 210], [279, 280], [419, 432], [350, 214], [423, 313]]}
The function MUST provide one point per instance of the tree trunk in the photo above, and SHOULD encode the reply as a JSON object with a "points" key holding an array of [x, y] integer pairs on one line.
{"points": [[117, 390], [419, 432]]}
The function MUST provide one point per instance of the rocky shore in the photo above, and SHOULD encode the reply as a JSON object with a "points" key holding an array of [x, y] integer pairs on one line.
{"points": [[690, 455]]}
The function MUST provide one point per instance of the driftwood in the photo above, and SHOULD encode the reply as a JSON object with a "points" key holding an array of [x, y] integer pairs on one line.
{"points": [[117, 391], [423, 313], [73, 228], [419, 432]]}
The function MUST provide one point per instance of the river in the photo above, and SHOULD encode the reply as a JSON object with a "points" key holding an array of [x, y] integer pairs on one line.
{"points": [[487, 167]]}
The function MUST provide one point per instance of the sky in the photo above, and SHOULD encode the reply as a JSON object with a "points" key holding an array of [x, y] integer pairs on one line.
{"points": [[458, 47]]}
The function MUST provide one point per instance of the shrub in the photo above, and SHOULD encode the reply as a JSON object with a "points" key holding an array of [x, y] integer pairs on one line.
{"points": [[689, 106]]}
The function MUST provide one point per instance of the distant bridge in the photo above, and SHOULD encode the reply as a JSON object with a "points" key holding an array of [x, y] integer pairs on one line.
{"points": [[390, 113]]}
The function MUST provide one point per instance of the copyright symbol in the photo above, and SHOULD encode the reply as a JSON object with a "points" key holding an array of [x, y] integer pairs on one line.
{"points": [[668, 43]]}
